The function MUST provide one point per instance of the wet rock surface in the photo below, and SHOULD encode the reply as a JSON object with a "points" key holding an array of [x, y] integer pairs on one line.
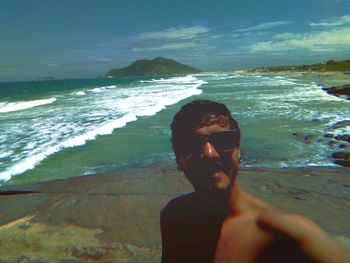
{"points": [[342, 158], [341, 124], [341, 155]]}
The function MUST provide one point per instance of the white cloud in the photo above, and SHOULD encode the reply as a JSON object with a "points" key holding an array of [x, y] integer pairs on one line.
{"points": [[216, 36], [340, 21], [249, 34], [264, 26], [171, 46], [175, 33], [327, 41], [285, 36]]}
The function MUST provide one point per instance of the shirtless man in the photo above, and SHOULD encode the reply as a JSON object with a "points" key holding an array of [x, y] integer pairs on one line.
{"points": [[219, 221]]}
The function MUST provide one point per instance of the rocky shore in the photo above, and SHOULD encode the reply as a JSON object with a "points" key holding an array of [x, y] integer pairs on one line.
{"points": [[339, 91], [337, 136], [114, 217], [342, 156]]}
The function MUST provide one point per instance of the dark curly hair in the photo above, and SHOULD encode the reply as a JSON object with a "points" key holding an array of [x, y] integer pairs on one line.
{"points": [[194, 115]]}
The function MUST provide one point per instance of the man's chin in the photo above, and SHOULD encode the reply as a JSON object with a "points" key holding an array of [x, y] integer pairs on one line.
{"points": [[213, 181], [217, 187]]}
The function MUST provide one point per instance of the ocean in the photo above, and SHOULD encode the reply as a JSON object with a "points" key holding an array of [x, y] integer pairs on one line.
{"points": [[63, 128]]}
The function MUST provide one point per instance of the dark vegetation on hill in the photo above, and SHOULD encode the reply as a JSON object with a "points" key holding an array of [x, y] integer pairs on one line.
{"points": [[330, 65], [157, 66]]}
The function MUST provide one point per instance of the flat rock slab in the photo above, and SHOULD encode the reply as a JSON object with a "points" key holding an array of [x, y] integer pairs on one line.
{"points": [[114, 217]]}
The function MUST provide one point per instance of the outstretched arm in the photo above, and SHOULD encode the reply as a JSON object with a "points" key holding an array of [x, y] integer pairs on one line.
{"points": [[312, 240]]}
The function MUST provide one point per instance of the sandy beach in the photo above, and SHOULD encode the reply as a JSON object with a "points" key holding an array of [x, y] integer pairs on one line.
{"points": [[114, 217]]}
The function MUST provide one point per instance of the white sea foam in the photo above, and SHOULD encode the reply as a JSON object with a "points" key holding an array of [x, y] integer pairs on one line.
{"points": [[106, 128], [299, 93], [5, 154], [173, 80], [80, 93], [109, 87], [22, 105], [89, 116], [96, 90], [316, 92], [30, 162]]}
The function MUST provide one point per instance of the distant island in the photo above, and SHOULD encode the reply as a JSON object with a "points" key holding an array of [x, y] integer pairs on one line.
{"points": [[330, 65], [157, 66], [46, 78]]}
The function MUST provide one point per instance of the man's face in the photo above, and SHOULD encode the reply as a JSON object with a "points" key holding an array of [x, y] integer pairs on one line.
{"points": [[210, 158]]}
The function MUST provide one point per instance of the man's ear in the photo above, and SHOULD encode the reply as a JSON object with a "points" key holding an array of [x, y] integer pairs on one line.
{"points": [[237, 153]]}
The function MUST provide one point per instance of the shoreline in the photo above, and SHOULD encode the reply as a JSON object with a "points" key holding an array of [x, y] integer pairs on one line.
{"points": [[115, 216]]}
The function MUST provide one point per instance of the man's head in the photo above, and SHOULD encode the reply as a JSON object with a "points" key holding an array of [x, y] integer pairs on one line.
{"points": [[205, 140]]}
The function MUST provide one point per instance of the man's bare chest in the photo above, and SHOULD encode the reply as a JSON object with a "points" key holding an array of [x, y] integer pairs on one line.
{"points": [[240, 241]]}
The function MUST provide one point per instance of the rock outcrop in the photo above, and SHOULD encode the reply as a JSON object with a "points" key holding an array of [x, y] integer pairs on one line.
{"points": [[115, 217], [339, 91]]}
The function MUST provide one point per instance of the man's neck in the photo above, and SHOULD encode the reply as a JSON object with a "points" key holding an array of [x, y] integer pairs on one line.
{"points": [[238, 202]]}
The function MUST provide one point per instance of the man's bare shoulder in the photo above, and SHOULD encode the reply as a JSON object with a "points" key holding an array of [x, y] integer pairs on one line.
{"points": [[178, 205], [292, 225], [274, 219]]}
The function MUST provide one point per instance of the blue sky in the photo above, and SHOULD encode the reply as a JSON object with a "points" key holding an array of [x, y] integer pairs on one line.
{"points": [[86, 38]]}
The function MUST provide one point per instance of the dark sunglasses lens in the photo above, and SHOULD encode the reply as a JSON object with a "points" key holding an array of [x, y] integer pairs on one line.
{"points": [[225, 140], [222, 141], [193, 145]]}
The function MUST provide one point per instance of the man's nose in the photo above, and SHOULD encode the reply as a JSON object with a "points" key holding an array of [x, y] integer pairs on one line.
{"points": [[209, 151]]}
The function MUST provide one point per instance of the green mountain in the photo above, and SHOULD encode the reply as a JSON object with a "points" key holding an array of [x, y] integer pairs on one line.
{"points": [[155, 66], [330, 65]]}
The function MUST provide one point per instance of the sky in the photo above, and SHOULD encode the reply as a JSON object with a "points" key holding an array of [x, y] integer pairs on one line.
{"points": [[87, 38]]}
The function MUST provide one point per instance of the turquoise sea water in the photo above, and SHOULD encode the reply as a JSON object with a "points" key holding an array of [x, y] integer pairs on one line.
{"points": [[58, 129]]}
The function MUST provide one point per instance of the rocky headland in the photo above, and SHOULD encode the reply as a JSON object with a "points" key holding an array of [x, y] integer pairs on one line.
{"points": [[157, 66]]}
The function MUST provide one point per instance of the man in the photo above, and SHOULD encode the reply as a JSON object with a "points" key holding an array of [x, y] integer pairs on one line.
{"points": [[219, 221]]}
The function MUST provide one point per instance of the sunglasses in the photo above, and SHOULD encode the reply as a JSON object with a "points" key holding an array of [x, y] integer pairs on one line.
{"points": [[222, 141]]}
